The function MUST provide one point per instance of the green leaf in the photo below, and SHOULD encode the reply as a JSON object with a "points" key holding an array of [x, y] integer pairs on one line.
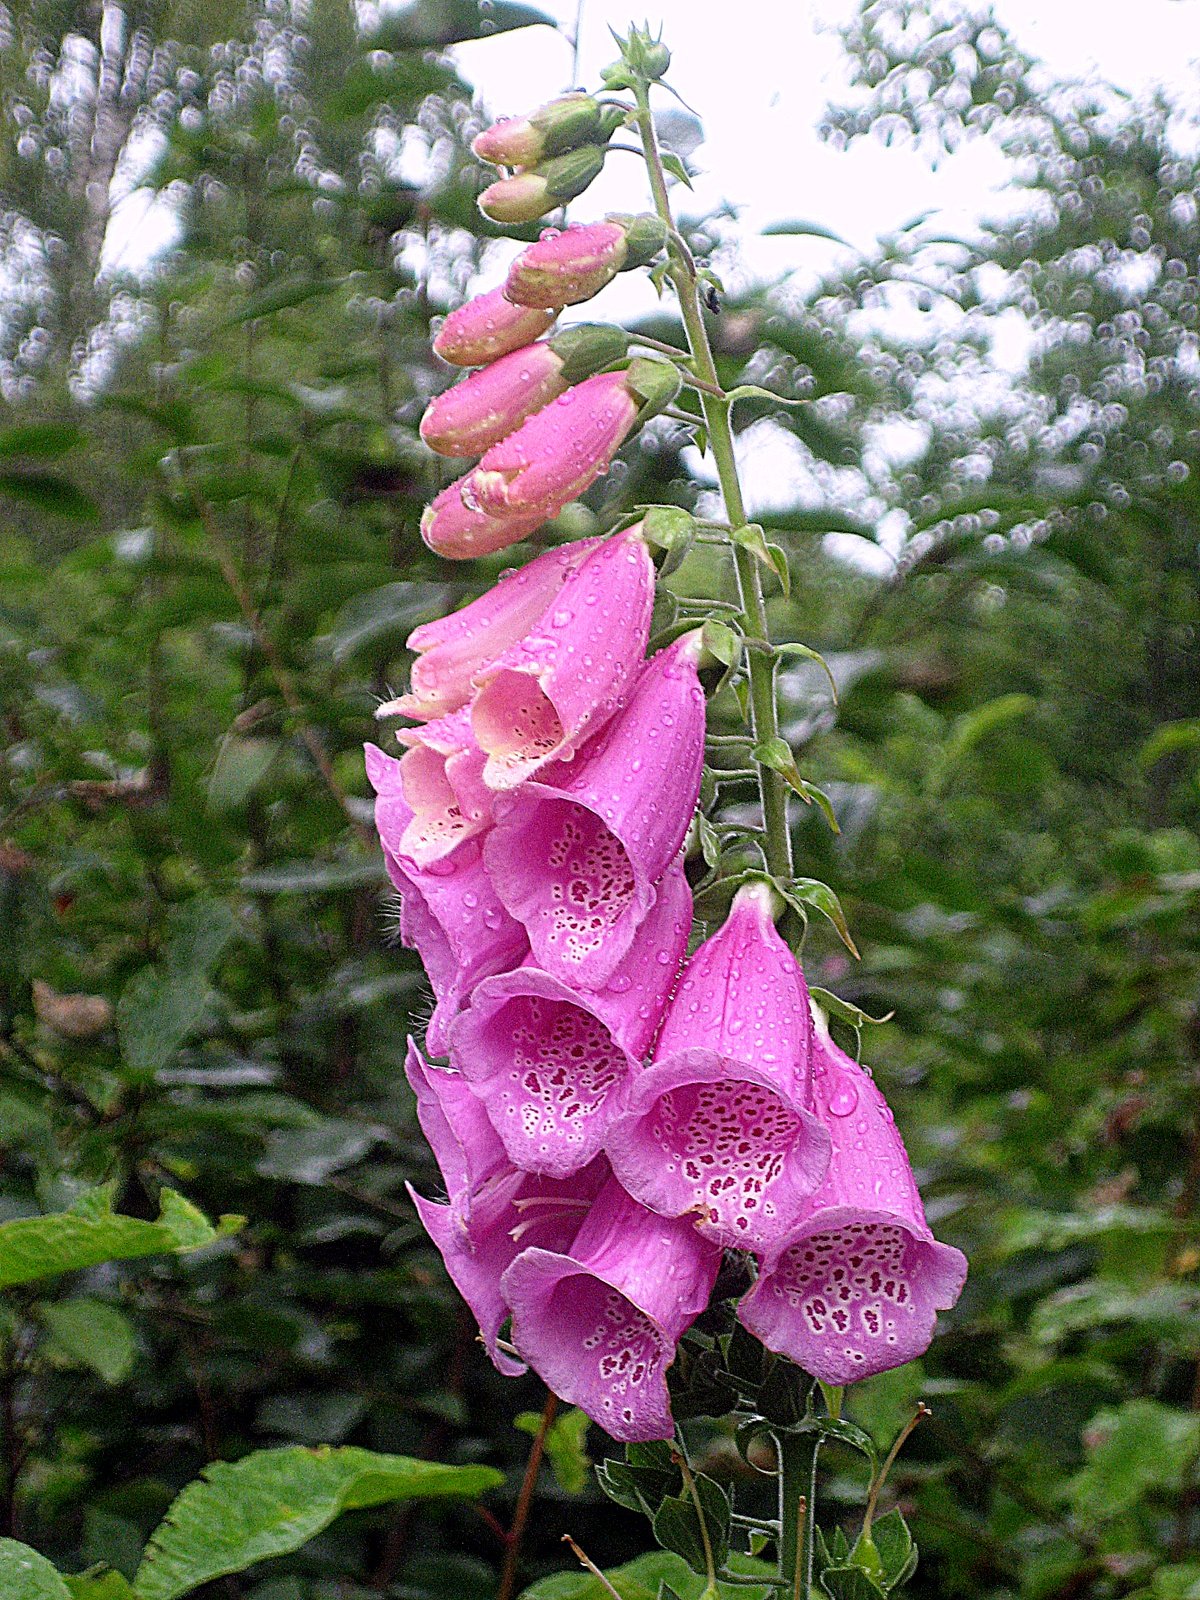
{"points": [[894, 1544], [1141, 1447], [1167, 739], [722, 642], [849, 1583], [434, 24], [91, 1233], [677, 1524], [674, 165], [100, 1584], [47, 492], [241, 765], [161, 1005], [803, 650], [45, 440], [90, 1333], [273, 1501], [25, 1575], [316, 877], [751, 537], [566, 1446], [643, 1580], [310, 1155], [812, 230], [801, 892], [287, 292], [844, 1011]]}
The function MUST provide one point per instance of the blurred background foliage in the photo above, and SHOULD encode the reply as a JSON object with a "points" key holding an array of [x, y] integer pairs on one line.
{"points": [[210, 482]]}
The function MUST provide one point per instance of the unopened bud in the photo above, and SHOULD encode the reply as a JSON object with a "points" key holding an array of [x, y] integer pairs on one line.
{"points": [[654, 384], [523, 198], [588, 348], [565, 267], [564, 123]]}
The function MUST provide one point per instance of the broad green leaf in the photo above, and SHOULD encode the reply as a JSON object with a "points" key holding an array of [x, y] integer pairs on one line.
{"points": [[48, 492], [678, 1527], [434, 24], [45, 440], [162, 1004], [849, 1583], [310, 1155], [90, 1333], [642, 1580], [273, 1501], [25, 1575], [91, 1233], [1141, 1447]]}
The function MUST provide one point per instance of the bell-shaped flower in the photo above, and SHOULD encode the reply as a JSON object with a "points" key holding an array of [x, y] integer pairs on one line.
{"points": [[719, 1128], [441, 774], [553, 1065], [460, 531], [449, 911], [559, 685], [856, 1287], [453, 649], [600, 1323], [575, 854], [555, 454], [489, 404], [493, 1211], [488, 327]]}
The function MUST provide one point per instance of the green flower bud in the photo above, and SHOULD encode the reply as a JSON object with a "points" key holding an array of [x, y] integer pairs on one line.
{"points": [[654, 383], [588, 349]]}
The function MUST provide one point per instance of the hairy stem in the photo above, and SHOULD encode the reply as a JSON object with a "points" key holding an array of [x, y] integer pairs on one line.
{"points": [[763, 710]]}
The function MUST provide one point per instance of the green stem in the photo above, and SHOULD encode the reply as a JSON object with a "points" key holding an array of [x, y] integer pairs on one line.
{"points": [[764, 715], [797, 1510]]}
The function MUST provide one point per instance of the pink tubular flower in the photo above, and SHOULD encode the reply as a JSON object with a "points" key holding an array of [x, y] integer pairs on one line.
{"points": [[600, 1324], [494, 1211], [555, 454], [488, 405], [568, 266], [856, 1287], [553, 1065], [575, 855], [442, 777], [449, 911], [453, 529], [547, 694], [489, 326], [451, 650], [719, 1129]]}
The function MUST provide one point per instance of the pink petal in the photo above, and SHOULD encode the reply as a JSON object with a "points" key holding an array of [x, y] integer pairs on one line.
{"points": [[442, 777], [553, 1065], [452, 528], [575, 855], [545, 695], [453, 649], [600, 1325], [489, 326], [487, 406], [856, 1287]]}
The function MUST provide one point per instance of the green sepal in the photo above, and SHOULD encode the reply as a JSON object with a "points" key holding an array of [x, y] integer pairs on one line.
{"points": [[588, 348]]}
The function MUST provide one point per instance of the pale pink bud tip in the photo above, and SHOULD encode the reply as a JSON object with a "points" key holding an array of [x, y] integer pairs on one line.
{"points": [[523, 198], [452, 528], [564, 268], [489, 405], [487, 327]]}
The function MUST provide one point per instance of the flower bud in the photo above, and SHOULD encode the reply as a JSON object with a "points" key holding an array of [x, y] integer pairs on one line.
{"points": [[523, 198], [569, 174], [459, 530], [570, 120], [564, 268], [487, 406], [487, 327]]}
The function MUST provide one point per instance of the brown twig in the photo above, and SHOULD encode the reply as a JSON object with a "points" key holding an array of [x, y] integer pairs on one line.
{"points": [[516, 1533]]}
